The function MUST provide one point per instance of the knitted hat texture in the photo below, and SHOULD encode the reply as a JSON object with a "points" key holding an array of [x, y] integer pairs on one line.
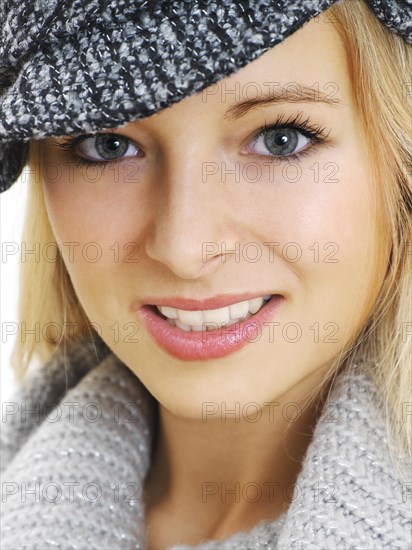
{"points": [[77, 66]]}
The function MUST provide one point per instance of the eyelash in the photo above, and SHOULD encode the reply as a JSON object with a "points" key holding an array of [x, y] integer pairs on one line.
{"points": [[70, 143], [318, 135], [315, 133]]}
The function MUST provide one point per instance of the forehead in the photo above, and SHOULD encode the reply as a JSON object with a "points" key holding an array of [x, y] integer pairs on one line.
{"points": [[314, 53]]}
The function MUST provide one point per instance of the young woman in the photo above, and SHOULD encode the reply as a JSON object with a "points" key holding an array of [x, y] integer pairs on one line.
{"points": [[222, 303]]}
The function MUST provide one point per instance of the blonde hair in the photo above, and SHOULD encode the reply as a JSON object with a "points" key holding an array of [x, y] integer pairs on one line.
{"points": [[379, 62]]}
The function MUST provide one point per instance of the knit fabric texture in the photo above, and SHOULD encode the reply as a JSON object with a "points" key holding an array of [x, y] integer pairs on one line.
{"points": [[76, 447], [70, 67]]}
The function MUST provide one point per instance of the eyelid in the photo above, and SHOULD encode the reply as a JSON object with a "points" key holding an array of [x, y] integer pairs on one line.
{"points": [[297, 122], [71, 141], [314, 132], [317, 135], [70, 144]]}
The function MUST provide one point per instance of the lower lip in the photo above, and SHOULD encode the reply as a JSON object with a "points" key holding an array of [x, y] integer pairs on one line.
{"points": [[189, 346]]}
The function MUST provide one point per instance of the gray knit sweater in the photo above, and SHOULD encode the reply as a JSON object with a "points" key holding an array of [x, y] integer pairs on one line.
{"points": [[73, 470]]}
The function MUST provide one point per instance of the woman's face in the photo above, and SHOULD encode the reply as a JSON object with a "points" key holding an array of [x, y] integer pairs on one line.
{"points": [[200, 203]]}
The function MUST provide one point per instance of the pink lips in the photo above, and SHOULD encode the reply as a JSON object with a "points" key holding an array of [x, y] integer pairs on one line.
{"points": [[189, 346]]}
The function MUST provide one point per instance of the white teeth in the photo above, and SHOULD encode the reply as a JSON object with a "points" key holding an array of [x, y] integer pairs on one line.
{"points": [[219, 316], [240, 309], [232, 322], [211, 319], [169, 312], [182, 326], [255, 304], [190, 317]]}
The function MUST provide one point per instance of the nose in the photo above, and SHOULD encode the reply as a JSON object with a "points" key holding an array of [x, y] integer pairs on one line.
{"points": [[191, 216]]}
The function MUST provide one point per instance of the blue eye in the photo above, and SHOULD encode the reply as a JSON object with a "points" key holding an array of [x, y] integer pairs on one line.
{"points": [[289, 138], [104, 147], [280, 142]]}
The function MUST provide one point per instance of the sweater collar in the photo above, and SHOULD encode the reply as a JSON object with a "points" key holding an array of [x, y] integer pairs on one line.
{"points": [[93, 448]]}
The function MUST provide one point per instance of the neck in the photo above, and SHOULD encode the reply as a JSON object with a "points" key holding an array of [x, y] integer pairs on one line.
{"points": [[234, 470]]}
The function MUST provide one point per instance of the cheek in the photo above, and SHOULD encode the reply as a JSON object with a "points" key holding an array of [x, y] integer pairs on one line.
{"points": [[85, 209], [97, 228], [329, 238]]}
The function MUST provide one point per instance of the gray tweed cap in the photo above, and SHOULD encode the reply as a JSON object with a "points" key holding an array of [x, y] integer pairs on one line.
{"points": [[78, 66]]}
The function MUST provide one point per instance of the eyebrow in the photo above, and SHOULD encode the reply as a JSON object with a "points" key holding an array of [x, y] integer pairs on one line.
{"points": [[300, 93]]}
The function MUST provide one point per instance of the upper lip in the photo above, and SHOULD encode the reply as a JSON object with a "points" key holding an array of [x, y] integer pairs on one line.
{"points": [[216, 302]]}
